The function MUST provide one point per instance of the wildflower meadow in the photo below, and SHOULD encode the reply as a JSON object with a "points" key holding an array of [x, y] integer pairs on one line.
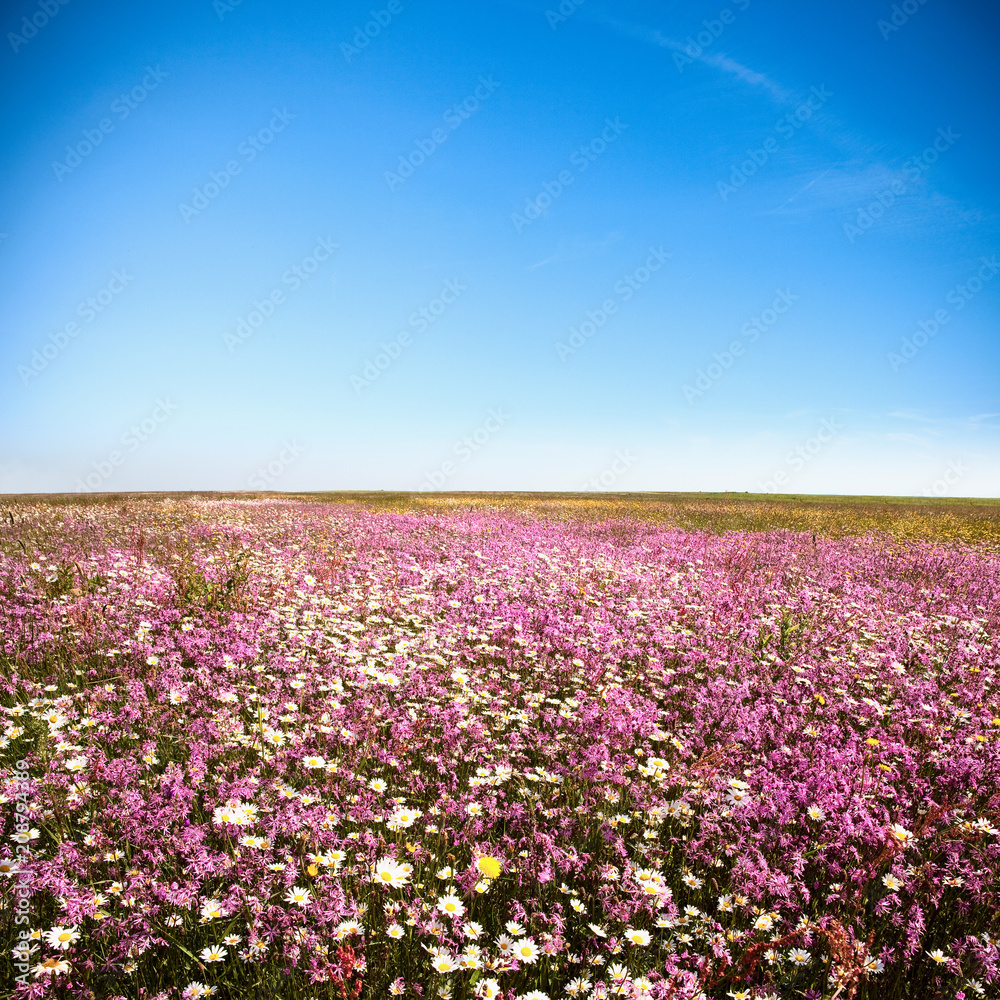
{"points": [[271, 748]]}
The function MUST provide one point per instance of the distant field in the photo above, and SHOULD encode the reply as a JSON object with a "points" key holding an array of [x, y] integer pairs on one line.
{"points": [[934, 519]]}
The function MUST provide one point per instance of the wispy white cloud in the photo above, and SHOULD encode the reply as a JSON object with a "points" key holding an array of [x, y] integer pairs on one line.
{"points": [[717, 60], [898, 436], [801, 190], [921, 211], [722, 62], [578, 249], [863, 171], [953, 423], [913, 415], [980, 418]]}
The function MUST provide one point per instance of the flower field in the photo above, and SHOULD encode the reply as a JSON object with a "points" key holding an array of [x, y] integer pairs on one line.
{"points": [[268, 748]]}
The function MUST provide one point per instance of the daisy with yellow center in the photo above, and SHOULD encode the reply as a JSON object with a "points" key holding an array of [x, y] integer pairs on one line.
{"points": [[61, 937], [526, 951], [211, 909], [390, 873], [402, 818], [443, 964], [51, 967], [900, 834], [451, 905], [346, 928], [298, 896]]}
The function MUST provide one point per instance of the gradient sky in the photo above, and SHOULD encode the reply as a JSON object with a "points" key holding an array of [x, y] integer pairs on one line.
{"points": [[531, 213]]}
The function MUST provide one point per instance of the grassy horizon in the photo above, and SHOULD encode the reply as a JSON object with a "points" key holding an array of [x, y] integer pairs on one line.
{"points": [[968, 520]]}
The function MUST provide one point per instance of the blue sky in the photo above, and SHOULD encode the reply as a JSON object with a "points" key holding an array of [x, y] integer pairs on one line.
{"points": [[635, 246]]}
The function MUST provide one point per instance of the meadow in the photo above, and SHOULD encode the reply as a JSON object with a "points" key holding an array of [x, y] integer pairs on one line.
{"points": [[499, 746]]}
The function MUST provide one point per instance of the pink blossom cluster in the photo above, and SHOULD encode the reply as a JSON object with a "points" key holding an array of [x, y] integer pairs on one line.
{"points": [[289, 749]]}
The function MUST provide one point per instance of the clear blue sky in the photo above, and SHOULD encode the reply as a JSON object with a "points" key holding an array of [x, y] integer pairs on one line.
{"points": [[677, 246]]}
